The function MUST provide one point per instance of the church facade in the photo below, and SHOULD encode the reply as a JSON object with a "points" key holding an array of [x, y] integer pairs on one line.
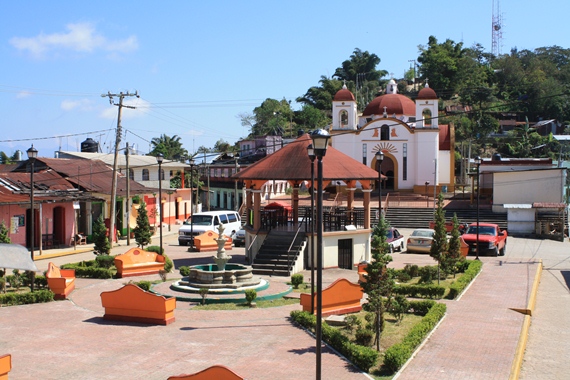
{"points": [[418, 152]]}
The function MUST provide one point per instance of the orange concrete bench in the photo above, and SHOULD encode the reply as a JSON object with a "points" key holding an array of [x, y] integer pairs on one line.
{"points": [[60, 281], [136, 262], [132, 304], [218, 372], [341, 297], [205, 242], [6, 366], [362, 271]]}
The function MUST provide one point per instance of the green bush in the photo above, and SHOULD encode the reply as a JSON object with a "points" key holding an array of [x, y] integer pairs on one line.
{"points": [[250, 296], [364, 337], [398, 354], [40, 282], [402, 276], [296, 280], [38, 296], [144, 285], [168, 264], [412, 269], [352, 322], [461, 283], [155, 248], [105, 261], [89, 271], [417, 291], [362, 357], [421, 307], [184, 271]]}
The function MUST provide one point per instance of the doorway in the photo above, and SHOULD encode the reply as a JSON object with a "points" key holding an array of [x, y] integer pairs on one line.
{"points": [[345, 253]]}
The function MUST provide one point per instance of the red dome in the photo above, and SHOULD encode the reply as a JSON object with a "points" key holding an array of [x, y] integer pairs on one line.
{"points": [[394, 103], [426, 93], [344, 95]]}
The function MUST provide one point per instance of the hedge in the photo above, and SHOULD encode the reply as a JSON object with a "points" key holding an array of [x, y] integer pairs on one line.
{"points": [[26, 298], [470, 273], [398, 354], [417, 291], [89, 271], [362, 357]]}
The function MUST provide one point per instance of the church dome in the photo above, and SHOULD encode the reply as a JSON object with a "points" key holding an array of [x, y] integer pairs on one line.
{"points": [[344, 95], [394, 103], [426, 93]]}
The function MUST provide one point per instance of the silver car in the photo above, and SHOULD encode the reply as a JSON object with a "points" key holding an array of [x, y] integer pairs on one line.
{"points": [[239, 237], [420, 240]]}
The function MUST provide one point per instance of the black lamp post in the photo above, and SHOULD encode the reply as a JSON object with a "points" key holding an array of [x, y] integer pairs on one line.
{"points": [[379, 158], [478, 161], [427, 195], [128, 207], [191, 163], [32, 155], [320, 144], [311, 153], [159, 159]]}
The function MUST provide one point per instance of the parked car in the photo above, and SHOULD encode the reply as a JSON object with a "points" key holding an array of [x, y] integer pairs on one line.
{"points": [[394, 239], [239, 237], [492, 240], [420, 240], [201, 222]]}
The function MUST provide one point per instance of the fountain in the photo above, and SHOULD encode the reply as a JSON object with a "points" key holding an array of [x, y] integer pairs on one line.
{"points": [[220, 277]]}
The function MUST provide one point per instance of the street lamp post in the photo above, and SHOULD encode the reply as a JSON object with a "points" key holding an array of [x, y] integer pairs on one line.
{"points": [[236, 206], [379, 159], [191, 163], [427, 195], [311, 153], [478, 161], [32, 155], [320, 143], [128, 195], [159, 159]]}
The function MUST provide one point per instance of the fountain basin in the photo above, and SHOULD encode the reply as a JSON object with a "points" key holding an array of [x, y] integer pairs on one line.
{"points": [[233, 277]]}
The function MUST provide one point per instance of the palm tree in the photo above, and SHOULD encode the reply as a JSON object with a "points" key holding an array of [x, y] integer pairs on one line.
{"points": [[170, 147]]}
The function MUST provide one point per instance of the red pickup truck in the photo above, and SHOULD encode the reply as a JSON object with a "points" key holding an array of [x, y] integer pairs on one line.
{"points": [[492, 239]]}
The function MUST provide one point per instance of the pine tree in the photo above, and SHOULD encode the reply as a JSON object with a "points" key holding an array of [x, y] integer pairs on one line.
{"points": [[379, 283], [142, 230], [453, 254], [4, 238], [100, 239], [439, 243]]}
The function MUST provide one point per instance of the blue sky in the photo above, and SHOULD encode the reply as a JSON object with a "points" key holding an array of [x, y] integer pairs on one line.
{"points": [[197, 65]]}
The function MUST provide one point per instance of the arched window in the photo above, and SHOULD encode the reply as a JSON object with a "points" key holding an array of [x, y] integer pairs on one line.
{"points": [[131, 174], [385, 132], [426, 114], [162, 174], [343, 118], [145, 175]]}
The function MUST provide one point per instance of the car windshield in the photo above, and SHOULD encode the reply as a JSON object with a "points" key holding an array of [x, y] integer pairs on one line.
{"points": [[422, 233], [483, 230], [202, 220], [389, 234]]}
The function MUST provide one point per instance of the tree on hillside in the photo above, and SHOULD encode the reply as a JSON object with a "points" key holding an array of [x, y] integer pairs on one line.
{"points": [[142, 230], [379, 283], [321, 97], [170, 147], [272, 117], [439, 243]]}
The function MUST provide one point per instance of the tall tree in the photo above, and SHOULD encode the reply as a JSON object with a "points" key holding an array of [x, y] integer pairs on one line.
{"points": [[4, 238], [439, 244], [379, 283], [360, 67], [170, 147], [452, 257], [100, 239], [142, 230]]}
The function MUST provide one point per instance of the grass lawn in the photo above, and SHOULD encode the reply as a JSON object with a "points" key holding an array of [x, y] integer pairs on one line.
{"points": [[241, 306]]}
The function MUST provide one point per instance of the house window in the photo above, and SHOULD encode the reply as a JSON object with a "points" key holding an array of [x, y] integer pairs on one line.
{"points": [[364, 153], [426, 114], [343, 118], [161, 175], [131, 174], [145, 176], [405, 162], [385, 132]]}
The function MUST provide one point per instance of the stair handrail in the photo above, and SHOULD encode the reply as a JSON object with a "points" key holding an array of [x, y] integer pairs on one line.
{"points": [[248, 248], [294, 240]]}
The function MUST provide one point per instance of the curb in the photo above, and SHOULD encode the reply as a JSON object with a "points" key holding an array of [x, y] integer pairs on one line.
{"points": [[523, 338]]}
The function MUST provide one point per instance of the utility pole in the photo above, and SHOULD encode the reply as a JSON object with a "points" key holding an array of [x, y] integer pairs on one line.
{"points": [[121, 96]]}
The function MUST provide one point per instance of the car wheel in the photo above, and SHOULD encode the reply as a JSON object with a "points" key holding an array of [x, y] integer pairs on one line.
{"points": [[391, 249], [504, 250], [182, 243], [402, 247], [496, 253]]}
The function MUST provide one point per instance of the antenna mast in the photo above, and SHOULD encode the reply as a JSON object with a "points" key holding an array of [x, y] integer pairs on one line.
{"points": [[497, 29]]}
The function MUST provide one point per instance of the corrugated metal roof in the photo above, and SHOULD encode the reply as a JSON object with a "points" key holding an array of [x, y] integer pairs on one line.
{"points": [[292, 163], [548, 205]]}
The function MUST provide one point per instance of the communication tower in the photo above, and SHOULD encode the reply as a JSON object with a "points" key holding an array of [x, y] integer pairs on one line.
{"points": [[497, 29]]}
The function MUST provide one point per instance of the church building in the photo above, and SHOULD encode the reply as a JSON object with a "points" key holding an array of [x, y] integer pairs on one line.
{"points": [[418, 152]]}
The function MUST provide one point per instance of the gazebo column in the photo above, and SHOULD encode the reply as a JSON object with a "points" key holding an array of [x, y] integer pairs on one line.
{"points": [[366, 205], [295, 203], [256, 209]]}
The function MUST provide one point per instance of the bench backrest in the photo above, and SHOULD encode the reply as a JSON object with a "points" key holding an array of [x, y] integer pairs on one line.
{"points": [[341, 291], [53, 271], [138, 255], [218, 372], [132, 297]]}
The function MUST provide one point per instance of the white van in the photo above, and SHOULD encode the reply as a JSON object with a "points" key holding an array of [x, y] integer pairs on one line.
{"points": [[201, 222]]}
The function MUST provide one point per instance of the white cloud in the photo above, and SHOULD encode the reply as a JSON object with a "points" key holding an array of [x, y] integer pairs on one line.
{"points": [[82, 104], [141, 108], [23, 94], [80, 37]]}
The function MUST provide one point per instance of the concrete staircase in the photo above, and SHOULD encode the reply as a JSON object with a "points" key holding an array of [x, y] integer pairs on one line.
{"points": [[420, 217], [274, 257]]}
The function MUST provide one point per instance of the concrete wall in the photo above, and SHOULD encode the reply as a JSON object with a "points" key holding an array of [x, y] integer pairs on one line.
{"points": [[527, 187]]}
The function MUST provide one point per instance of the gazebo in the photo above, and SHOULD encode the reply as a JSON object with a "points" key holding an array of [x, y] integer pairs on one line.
{"points": [[346, 238]]}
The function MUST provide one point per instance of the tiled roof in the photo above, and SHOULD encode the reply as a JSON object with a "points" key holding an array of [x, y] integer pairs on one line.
{"points": [[292, 163]]}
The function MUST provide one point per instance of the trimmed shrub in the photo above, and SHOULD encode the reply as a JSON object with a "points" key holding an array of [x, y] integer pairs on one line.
{"points": [[461, 283], [38, 296], [105, 261], [89, 271], [250, 296], [420, 291], [412, 270], [364, 337], [184, 271], [421, 307], [296, 280], [352, 322], [155, 248], [402, 276], [168, 264], [144, 285]]}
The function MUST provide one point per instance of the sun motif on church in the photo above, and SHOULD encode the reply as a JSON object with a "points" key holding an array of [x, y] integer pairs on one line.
{"points": [[385, 147]]}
